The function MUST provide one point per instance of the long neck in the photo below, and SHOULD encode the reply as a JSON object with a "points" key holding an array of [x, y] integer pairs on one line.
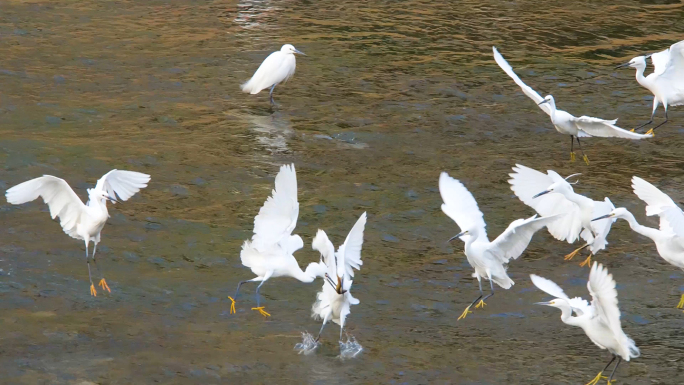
{"points": [[566, 315], [649, 232], [640, 77], [552, 105], [581, 200], [312, 271]]}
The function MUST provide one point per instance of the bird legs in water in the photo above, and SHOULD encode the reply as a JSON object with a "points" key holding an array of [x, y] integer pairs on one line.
{"points": [[259, 308], [481, 303], [102, 283], [572, 152], [681, 303], [270, 95], [600, 377]]}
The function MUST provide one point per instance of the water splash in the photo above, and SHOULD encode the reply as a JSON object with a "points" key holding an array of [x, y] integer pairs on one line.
{"points": [[350, 348], [308, 344]]}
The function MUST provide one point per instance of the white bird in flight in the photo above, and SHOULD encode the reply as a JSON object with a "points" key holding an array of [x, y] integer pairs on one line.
{"points": [[600, 320], [488, 259], [549, 194], [584, 126], [270, 252], [78, 220], [669, 239], [335, 299], [276, 68]]}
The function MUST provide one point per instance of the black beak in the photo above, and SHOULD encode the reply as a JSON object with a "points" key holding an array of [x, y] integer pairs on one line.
{"points": [[622, 65], [603, 217], [456, 236], [542, 102], [541, 193]]}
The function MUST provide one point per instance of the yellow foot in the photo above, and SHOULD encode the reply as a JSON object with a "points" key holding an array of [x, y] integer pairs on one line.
{"points": [[480, 304], [572, 255], [232, 305], [262, 311], [93, 292], [598, 378], [587, 262], [572, 156], [586, 159], [465, 313], [103, 284], [632, 130], [650, 132], [681, 302]]}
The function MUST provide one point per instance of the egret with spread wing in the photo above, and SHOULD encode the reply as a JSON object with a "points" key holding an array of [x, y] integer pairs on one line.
{"points": [[550, 194], [276, 68], [489, 259], [78, 220], [669, 238], [584, 126], [270, 252], [334, 300], [600, 320], [666, 83]]}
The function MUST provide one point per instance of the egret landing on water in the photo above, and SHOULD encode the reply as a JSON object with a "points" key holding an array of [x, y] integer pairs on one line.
{"points": [[270, 252], [276, 68], [549, 194], [78, 220], [667, 80], [669, 239], [584, 126], [600, 320], [489, 259]]}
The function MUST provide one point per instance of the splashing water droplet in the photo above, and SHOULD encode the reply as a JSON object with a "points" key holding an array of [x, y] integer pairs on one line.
{"points": [[350, 348], [308, 344]]}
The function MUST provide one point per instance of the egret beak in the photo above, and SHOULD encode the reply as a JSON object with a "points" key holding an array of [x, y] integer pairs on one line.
{"points": [[541, 193], [457, 235], [543, 303], [542, 102], [112, 199], [622, 65], [603, 217], [299, 52]]}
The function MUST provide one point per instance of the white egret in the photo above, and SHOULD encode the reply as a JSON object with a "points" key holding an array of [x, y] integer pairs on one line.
{"points": [[488, 259], [78, 220], [584, 126], [600, 320], [669, 239], [276, 68], [334, 300], [550, 194], [666, 83], [270, 252]]}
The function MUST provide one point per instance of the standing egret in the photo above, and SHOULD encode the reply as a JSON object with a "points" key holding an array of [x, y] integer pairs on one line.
{"points": [[78, 220], [550, 194], [334, 299], [584, 126], [666, 83], [600, 320], [489, 259], [669, 239], [270, 252], [276, 68]]}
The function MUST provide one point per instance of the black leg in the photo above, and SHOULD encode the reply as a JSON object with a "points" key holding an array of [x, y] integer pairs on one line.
{"points": [[586, 160], [491, 284], [321, 331], [614, 369], [257, 292], [653, 129], [238, 288], [270, 95], [481, 294]]}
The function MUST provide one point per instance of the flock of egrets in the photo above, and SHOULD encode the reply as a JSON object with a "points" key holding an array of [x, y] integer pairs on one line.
{"points": [[568, 216]]}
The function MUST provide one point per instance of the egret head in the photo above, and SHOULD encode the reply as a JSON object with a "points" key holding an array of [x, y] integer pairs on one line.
{"points": [[557, 187], [289, 48], [548, 99], [556, 302], [100, 195], [637, 62], [619, 212], [463, 234]]}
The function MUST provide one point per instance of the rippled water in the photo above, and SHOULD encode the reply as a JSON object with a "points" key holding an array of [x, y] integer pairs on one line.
{"points": [[391, 94]]}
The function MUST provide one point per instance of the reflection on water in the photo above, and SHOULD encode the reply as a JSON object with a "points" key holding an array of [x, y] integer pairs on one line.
{"points": [[390, 95]]}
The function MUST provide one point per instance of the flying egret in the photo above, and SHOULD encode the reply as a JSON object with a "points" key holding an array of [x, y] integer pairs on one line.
{"points": [[584, 126], [669, 239], [270, 252], [276, 68], [78, 220], [666, 83], [600, 320], [489, 259], [334, 299], [550, 194]]}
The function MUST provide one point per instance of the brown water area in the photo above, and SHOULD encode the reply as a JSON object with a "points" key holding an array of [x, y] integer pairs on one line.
{"points": [[390, 94]]}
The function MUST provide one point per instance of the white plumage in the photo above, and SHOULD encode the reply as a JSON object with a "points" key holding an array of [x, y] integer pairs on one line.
{"points": [[488, 259], [78, 220], [278, 67], [600, 320]]}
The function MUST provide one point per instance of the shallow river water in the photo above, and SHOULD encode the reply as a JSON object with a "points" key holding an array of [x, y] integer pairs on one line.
{"points": [[390, 94]]}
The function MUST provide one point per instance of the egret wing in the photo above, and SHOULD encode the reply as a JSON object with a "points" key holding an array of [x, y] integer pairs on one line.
{"points": [[57, 194], [122, 183], [322, 244], [526, 183], [515, 239], [605, 128], [659, 60], [601, 228], [460, 205], [277, 218], [349, 254], [659, 203], [276, 68], [672, 78], [548, 286], [527, 90]]}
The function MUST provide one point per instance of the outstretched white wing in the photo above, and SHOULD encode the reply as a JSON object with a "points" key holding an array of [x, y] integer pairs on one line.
{"points": [[277, 218], [322, 244], [122, 183], [659, 203], [532, 94], [672, 77], [514, 240], [349, 253], [605, 128], [579, 305], [57, 194], [460, 205], [526, 183], [659, 60]]}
